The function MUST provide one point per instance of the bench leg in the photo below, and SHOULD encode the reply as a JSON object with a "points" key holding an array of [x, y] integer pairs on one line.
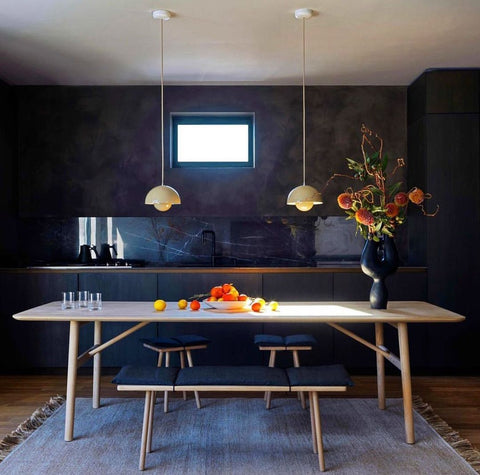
{"points": [[182, 365], [318, 430], [165, 394], [190, 364], [296, 364], [146, 418], [312, 423], [268, 394], [150, 421]]}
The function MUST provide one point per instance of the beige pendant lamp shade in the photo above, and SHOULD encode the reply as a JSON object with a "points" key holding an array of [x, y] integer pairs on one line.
{"points": [[304, 197], [162, 197]]}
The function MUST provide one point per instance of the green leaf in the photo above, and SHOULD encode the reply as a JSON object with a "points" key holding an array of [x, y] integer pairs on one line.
{"points": [[393, 189], [384, 162]]}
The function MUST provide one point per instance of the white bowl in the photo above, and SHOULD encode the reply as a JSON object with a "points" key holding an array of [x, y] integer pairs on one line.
{"points": [[228, 305]]}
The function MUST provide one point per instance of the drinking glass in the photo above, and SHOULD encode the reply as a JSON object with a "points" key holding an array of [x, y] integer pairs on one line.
{"points": [[95, 301], [83, 298], [68, 300]]}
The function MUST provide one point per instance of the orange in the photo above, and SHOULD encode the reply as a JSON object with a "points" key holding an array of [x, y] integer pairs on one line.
{"points": [[216, 291], [159, 305], [256, 307], [226, 288], [242, 297], [229, 297], [195, 305], [345, 201]]}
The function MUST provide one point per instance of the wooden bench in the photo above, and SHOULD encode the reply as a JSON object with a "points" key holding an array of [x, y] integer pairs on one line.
{"points": [[306, 379]]}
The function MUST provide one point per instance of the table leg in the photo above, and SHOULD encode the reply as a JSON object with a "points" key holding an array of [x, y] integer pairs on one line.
{"points": [[380, 366], [406, 382], [71, 379], [97, 366]]}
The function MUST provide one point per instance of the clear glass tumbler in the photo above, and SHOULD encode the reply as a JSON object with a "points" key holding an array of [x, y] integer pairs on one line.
{"points": [[95, 301], [68, 300], [82, 298]]}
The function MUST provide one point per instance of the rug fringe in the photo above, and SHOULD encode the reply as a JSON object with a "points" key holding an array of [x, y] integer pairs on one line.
{"points": [[26, 428], [462, 446]]}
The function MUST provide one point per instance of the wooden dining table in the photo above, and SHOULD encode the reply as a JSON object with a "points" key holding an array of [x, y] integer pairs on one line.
{"points": [[399, 315]]}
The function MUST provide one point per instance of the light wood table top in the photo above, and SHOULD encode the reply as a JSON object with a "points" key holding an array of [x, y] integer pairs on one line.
{"points": [[288, 312]]}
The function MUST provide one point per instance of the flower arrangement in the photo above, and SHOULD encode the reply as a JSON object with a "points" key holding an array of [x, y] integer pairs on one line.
{"points": [[378, 206]]}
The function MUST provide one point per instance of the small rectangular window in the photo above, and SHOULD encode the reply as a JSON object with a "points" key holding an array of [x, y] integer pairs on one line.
{"points": [[213, 140]]}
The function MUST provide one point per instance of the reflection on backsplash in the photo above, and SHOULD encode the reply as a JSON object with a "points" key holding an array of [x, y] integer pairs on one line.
{"points": [[163, 241]]}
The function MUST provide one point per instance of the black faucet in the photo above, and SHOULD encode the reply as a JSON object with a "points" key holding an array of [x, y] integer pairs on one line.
{"points": [[206, 232]]}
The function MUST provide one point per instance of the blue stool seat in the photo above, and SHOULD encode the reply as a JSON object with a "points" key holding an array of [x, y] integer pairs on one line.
{"points": [[289, 340], [184, 341]]}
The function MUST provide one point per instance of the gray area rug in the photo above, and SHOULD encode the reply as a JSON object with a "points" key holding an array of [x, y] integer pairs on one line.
{"points": [[235, 436]]}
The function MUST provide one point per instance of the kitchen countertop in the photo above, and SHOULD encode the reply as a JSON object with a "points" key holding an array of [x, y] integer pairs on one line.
{"points": [[200, 270]]}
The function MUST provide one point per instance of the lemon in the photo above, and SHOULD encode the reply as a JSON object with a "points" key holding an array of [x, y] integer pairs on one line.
{"points": [[159, 305], [182, 304], [260, 301], [273, 305]]}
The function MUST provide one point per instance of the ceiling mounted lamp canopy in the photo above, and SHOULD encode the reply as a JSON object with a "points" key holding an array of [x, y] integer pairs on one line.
{"points": [[304, 197], [162, 197]]}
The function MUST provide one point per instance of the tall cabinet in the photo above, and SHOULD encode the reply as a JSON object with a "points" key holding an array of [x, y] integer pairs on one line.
{"points": [[443, 159]]}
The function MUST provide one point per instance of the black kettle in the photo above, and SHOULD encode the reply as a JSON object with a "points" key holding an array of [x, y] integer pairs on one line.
{"points": [[107, 252], [85, 256]]}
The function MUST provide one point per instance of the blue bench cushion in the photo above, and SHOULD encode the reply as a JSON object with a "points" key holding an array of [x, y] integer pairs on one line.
{"points": [[300, 340], [185, 341], [146, 375], [232, 376], [328, 375], [268, 340]]}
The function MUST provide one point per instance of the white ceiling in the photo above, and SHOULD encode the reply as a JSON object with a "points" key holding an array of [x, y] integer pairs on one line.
{"points": [[256, 42]]}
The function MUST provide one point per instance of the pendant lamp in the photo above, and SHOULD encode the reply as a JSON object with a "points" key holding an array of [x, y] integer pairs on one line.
{"points": [[304, 197], [162, 196]]}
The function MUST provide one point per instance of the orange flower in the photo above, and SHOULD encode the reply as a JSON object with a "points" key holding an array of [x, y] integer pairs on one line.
{"points": [[416, 195], [391, 210], [401, 199], [363, 216], [345, 201]]}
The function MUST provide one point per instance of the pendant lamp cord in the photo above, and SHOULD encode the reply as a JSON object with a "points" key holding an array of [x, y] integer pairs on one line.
{"points": [[303, 100], [161, 97]]}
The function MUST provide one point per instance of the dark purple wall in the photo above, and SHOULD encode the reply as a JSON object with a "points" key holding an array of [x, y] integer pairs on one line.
{"points": [[95, 151]]}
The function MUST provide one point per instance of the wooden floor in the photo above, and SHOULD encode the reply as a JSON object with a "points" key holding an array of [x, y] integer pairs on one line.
{"points": [[454, 399]]}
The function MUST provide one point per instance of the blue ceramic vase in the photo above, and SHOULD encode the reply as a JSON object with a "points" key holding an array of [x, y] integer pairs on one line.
{"points": [[378, 261]]}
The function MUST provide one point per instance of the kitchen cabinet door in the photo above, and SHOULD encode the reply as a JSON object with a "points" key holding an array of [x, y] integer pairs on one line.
{"points": [[121, 287], [30, 345]]}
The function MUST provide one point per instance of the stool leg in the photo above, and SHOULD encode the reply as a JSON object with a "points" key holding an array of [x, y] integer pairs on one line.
{"points": [[182, 365], [312, 423], [296, 364], [271, 364], [165, 394], [318, 430], [146, 418], [190, 364]]}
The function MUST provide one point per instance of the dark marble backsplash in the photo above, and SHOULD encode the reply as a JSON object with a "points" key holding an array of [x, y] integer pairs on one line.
{"points": [[170, 241]]}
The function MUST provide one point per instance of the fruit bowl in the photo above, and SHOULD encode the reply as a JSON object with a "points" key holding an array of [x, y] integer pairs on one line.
{"points": [[232, 305]]}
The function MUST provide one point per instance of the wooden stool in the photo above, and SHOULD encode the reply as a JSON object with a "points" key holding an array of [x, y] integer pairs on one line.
{"points": [[293, 343], [183, 344]]}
